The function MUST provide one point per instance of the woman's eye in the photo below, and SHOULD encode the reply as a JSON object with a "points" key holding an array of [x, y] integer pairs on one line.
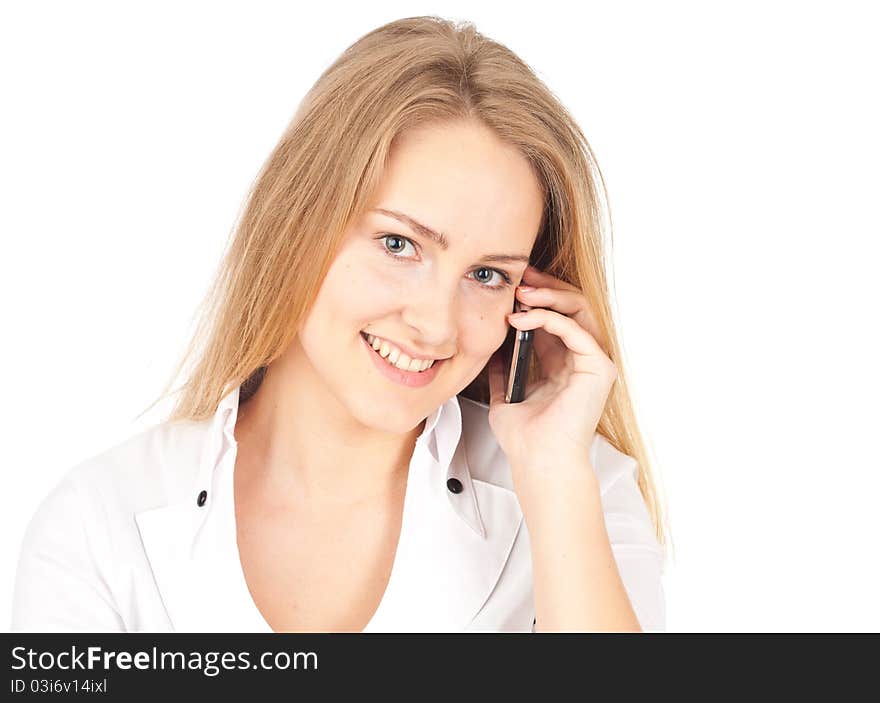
{"points": [[501, 276], [400, 243], [394, 244]]}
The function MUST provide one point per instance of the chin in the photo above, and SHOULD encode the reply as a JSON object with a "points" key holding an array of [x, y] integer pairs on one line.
{"points": [[386, 415]]}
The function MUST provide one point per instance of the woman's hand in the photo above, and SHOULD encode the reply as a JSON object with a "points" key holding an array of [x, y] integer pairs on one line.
{"points": [[555, 423]]}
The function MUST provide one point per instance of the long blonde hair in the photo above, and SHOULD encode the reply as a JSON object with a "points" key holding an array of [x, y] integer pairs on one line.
{"points": [[327, 166]]}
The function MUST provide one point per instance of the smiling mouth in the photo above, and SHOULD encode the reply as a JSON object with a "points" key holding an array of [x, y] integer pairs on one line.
{"points": [[396, 358]]}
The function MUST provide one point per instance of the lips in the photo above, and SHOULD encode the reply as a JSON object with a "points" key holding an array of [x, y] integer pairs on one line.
{"points": [[411, 379], [401, 350]]}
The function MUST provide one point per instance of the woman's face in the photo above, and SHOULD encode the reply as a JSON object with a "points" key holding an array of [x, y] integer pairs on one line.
{"points": [[395, 282]]}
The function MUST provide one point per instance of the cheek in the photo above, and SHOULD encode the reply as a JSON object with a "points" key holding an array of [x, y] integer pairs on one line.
{"points": [[354, 291], [482, 334]]}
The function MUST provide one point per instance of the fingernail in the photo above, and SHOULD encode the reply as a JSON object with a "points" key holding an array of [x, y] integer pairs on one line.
{"points": [[525, 289]]}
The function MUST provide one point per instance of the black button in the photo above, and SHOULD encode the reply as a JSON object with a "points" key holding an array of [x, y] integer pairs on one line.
{"points": [[203, 496], [454, 485]]}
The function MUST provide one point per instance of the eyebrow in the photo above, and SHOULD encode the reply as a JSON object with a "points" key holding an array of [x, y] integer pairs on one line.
{"points": [[440, 239]]}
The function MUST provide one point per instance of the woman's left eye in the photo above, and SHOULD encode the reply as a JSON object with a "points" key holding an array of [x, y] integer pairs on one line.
{"points": [[405, 240]]}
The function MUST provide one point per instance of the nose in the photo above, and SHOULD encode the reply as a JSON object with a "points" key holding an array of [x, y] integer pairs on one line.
{"points": [[432, 315]]}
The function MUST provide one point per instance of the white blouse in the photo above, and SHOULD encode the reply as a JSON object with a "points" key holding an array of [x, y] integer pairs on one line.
{"points": [[142, 537]]}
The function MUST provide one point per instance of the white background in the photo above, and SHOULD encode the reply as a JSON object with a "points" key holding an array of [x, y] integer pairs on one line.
{"points": [[740, 150]]}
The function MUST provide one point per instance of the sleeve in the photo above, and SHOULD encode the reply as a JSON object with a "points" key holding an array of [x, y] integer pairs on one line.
{"points": [[59, 583], [638, 553]]}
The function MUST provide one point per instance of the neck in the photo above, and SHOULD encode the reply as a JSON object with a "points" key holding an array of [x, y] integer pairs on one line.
{"points": [[299, 444]]}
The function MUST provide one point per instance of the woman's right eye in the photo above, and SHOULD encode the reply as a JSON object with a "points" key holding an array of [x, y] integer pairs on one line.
{"points": [[397, 245]]}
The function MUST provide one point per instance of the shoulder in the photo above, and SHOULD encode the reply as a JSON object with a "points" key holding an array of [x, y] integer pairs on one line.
{"points": [[638, 554], [82, 539], [149, 469], [626, 512], [152, 468]]}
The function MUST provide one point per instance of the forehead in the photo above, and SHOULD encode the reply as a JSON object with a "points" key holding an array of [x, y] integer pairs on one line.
{"points": [[463, 181]]}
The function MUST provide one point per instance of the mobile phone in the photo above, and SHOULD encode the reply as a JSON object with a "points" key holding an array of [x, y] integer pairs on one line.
{"points": [[519, 352]]}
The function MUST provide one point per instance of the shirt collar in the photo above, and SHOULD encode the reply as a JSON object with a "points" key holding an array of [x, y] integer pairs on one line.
{"points": [[442, 573], [441, 438]]}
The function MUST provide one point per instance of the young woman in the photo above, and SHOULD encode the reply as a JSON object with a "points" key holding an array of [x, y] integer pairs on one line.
{"points": [[341, 456]]}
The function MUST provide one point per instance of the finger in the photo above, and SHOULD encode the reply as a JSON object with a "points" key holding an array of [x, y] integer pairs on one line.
{"points": [[536, 277], [568, 302], [586, 350]]}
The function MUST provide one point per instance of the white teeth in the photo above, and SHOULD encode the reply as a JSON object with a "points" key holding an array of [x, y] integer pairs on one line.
{"points": [[397, 358]]}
